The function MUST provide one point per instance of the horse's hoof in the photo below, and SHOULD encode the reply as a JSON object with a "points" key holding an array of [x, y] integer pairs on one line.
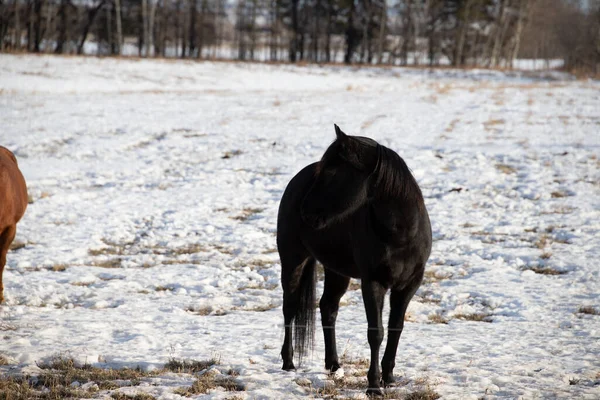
{"points": [[374, 392], [288, 366], [388, 380], [333, 367]]}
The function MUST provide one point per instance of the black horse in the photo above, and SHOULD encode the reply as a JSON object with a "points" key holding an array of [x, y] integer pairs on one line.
{"points": [[360, 213]]}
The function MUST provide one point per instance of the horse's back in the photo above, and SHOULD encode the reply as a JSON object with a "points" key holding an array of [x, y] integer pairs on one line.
{"points": [[13, 190]]}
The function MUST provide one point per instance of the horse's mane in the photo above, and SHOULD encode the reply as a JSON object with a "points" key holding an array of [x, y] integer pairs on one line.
{"points": [[393, 178]]}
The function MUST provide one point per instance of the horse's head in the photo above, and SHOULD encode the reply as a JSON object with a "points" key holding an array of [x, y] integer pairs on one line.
{"points": [[342, 180]]}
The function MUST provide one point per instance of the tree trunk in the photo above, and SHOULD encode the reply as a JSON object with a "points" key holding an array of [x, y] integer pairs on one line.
{"points": [[119, 39], [109, 32], [350, 35], [329, 31], [62, 23], [192, 31], [524, 11], [150, 34], [464, 20], [382, 32], [315, 35], [146, 38], [500, 23], [17, 25], [273, 17], [295, 33], [37, 25], [252, 29], [86, 29]]}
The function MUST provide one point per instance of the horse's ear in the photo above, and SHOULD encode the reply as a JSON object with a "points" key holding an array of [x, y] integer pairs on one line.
{"points": [[339, 134]]}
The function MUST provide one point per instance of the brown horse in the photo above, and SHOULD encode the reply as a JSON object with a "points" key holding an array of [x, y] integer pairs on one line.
{"points": [[13, 202]]}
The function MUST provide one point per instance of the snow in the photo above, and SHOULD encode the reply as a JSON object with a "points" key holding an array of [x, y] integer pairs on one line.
{"points": [[155, 187]]}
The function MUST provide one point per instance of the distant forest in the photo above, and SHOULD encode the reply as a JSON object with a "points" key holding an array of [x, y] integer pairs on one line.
{"points": [[482, 33]]}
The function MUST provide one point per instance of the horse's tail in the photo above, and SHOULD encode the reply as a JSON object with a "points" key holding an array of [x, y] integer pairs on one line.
{"points": [[304, 320]]}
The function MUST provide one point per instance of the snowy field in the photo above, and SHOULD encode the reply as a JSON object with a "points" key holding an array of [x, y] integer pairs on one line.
{"points": [[154, 187]]}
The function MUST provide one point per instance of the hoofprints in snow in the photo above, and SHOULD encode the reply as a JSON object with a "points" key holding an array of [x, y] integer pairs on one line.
{"points": [[155, 185]]}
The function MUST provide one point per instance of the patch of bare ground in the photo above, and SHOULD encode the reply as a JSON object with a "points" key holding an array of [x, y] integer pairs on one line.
{"points": [[247, 213], [546, 270], [230, 154], [208, 381], [203, 310], [506, 169], [437, 319], [108, 263], [62, 378], [452, 125], [255, 264], [17, 245], [189, 366], [590, 310], [351, 385], [432, 276], [477, 317], [491, 124], [135, 396]]}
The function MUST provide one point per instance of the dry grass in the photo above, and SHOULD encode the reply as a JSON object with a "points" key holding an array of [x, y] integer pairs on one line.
{"points": [[57, 376], [590, 310], [82, 284], [546, 255], [205, 310], [5, 326], [110, 263], [506, 169], [491, 123], [222, 249], [136, 396], [246, 213], [437, 319], [559, 194], [542, 241], [256, 264], [452, 125], [20, 388], [208, 382], [189, 366], [561, 210], [262, 308], [546, 271], [477, 317], [230, 154], [58, 268], [17, 245], [435, 276], [423, 394]]}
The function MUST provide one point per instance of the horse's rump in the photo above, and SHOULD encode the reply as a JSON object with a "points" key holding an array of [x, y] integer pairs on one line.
{"points": [[13, 190]]}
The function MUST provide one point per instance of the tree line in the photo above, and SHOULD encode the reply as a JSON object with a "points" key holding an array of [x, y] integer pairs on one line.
{"points": [[487, 33]]}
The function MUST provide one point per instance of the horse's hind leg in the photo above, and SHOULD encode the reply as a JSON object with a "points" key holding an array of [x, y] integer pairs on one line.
{"points": [[6, 238], [334, 288], [399, 300], [373, 297], [291, 276]]}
